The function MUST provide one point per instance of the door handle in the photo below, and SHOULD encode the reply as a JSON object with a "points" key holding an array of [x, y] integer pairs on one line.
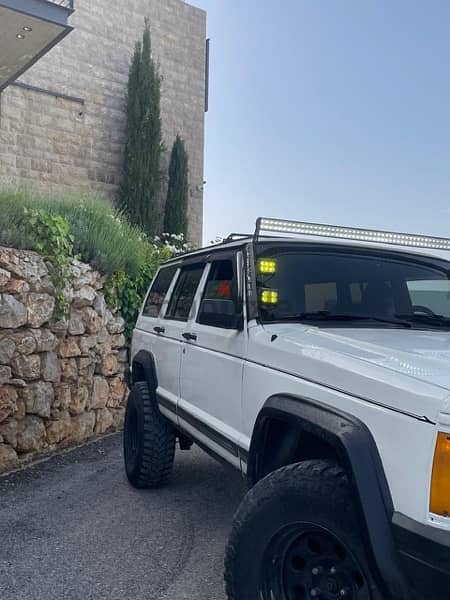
{"points": [[159, 329], [189, 336]]}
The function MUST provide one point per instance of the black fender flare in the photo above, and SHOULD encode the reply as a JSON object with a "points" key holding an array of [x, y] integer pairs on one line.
{"points": [[357, 451], [143, 367]]}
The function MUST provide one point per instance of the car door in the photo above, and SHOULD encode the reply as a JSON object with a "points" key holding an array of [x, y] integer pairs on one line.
{"points": [[212, 365], [159, 292], [170, 342], [147, 334]]}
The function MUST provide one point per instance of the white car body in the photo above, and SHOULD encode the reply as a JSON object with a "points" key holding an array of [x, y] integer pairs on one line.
{"points": [[360, 371], [395, 381]]}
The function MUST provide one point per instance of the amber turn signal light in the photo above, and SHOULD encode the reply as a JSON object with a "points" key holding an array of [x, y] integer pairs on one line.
{"points": [[440, 482]]}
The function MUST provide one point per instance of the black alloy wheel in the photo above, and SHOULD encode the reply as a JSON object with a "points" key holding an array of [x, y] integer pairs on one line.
{"points": [[304, 562]]}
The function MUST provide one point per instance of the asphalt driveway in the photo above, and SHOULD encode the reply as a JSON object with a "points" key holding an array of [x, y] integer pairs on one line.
{"points": [[73, 529]]}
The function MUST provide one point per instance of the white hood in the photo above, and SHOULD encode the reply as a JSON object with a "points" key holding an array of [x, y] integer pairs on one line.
{"points": [[424, 355], [398, 367]]}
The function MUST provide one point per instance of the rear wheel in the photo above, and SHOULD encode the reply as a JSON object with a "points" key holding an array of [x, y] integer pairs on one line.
{"points": [[295, 537], [148, 440]]}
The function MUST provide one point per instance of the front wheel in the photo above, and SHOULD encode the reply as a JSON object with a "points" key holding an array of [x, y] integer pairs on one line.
{"points": [[295, 537], [148, 440]]}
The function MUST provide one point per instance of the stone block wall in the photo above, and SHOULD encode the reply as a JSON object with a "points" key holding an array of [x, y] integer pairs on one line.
{"points": [[61, 144], [60, 382]]}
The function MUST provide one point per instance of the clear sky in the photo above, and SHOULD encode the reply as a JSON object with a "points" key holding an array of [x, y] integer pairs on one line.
{"points": [[328, 110]]}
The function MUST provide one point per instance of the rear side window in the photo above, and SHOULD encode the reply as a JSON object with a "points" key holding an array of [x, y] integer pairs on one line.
{"points": [[183, 295], [158, 292]]}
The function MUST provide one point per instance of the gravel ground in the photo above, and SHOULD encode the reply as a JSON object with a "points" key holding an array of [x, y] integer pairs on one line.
{"points": [[72, 528]]}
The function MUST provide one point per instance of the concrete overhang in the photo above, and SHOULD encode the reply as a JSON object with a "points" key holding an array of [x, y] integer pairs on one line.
{"points": [[28, 30]]}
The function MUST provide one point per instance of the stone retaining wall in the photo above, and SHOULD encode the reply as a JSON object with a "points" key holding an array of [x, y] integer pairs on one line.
{"points": [[60, 382]]}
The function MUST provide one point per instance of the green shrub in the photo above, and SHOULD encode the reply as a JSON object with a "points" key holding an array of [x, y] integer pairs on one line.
{"points": [[141, 185], [175, 218], [127, 293], [102, 237], [61, 227], [13, 231], [52, 238]]}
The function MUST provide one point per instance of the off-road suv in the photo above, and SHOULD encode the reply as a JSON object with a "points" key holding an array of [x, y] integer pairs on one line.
{"points": [[319, 366]]}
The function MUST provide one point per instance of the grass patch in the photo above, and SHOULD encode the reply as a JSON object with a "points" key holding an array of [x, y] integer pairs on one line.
{"points": [[102, 236], [95, 232]]}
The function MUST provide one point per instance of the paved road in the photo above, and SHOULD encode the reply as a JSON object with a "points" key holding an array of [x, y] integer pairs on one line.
{"points": [[73, 529]]}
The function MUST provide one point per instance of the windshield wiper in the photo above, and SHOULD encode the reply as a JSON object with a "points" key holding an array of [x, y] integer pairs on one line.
{"points": [[433, 320], [325, 315]]}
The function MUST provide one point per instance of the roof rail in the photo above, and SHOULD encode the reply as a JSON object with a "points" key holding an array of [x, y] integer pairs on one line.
{"points": [[238, 236], [349, 233]]}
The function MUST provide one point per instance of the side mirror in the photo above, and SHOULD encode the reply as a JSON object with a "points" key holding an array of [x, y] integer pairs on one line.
{"points": [[220, 313]]}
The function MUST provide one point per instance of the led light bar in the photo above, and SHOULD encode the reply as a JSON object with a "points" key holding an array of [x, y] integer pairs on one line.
{"points": [[350, 233]]}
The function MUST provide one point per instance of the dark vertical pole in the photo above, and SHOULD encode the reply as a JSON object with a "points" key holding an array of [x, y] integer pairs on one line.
{"points": [[257, 229], [207, 75]]}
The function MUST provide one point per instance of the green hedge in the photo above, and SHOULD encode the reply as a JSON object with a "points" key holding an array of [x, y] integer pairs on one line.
{"points": [[101, 236]]}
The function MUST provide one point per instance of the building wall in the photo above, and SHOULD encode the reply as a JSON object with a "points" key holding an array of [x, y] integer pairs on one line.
{"points": [[60, 143]]}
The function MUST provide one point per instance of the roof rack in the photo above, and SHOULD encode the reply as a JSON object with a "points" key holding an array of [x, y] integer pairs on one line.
{"points": [[349, 233], [237, 236]]}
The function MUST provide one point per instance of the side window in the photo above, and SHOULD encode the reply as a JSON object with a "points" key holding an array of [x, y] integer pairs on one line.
{"points": [[221, 283], [220, 303], [158, 292], [184, 292]]}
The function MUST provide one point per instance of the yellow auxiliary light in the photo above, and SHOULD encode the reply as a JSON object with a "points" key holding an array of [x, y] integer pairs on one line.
{"points": [[267, 266], [269, 296]]}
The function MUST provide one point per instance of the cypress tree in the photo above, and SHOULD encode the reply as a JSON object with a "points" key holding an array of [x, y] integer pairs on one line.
{"points": [[139, 193], [175, 218]]}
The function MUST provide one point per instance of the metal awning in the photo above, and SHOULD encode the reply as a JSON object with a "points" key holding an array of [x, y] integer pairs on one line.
{"points": [[28, 30]]}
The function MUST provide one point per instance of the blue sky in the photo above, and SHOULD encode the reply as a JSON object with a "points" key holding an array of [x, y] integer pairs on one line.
{"points": [[330, 111]]}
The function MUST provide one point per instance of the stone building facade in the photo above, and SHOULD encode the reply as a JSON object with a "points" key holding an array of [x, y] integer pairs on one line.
{"points": [[69, 133]]}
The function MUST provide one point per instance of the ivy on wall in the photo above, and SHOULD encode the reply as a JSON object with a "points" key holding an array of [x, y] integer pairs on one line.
{"points": [[52, 238], [127, 293]]}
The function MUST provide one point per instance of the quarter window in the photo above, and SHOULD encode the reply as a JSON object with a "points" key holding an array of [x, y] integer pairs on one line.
{"points": [[158, 292], [183, 296]]}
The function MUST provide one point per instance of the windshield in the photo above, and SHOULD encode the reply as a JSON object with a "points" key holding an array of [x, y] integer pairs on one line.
{"points": [[336, 287]]}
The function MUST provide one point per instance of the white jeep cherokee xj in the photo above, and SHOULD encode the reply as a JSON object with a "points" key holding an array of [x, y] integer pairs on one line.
{"points": [[319, 366]]}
